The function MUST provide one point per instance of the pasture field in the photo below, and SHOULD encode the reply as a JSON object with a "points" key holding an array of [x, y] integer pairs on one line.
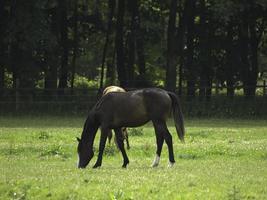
{"points": [[221, 159]]}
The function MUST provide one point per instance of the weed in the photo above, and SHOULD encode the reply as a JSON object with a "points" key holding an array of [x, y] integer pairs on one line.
{"points": [[264, 156], [110, 150], [70, 196], [19, 193], [146, 148], [43, 135], [56, 151], [187, 156], [12, 149], [117, 195], [135, 131], [234, 194]]}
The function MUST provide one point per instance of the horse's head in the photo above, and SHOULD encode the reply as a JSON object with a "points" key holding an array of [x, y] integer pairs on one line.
{"points": [[85, 153]]}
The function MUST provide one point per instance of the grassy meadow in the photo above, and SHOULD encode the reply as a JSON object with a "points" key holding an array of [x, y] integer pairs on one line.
{"points": [[221, 159]]}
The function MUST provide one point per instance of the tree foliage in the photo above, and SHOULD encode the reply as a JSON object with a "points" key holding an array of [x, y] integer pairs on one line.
{"points": [[192, 44]]}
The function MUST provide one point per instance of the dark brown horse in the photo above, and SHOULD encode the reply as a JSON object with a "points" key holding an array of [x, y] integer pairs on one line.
{"points": [[130, 109]]}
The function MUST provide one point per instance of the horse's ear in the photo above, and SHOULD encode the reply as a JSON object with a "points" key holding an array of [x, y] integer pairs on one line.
{"points": [[78, 139]]}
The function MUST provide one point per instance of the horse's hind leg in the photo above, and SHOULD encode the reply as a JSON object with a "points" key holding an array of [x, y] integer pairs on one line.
{"points": [[109, 136], [102, 143], [125, 134], [119, 137], [168, 140], [162, 128], [160, 140]]}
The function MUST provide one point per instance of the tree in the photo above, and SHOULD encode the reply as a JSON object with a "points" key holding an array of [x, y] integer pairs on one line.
{"points": [[63, 80], [120, 44], [230, 60], [171, 73], [75, 43], [43, 43], [250, 33], [2, 44], [204, 54], [190, 71], [111, 5], [139, 41]]}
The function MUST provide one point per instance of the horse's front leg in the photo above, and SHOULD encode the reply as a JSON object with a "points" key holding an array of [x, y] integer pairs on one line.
{"points": [[119, 137], [102, 143]]}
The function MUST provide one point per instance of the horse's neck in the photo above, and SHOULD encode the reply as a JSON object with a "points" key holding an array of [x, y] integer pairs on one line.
{"points": [[89, 129]]}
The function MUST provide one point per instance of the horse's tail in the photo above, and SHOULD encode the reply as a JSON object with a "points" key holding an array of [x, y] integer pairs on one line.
{"points": [[178, 116]]}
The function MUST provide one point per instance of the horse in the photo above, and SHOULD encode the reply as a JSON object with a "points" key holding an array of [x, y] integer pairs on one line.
{"points": [[124, 130], [130, 109], [113, 88]]}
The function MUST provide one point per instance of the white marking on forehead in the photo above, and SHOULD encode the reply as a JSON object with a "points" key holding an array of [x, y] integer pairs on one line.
{"points": [[156, 161]]}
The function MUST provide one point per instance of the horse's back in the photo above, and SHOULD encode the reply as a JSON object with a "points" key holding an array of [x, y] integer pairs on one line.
{"points": [[113, 89], [122, 109], [135, 108], [148, 97], [158, 103]]}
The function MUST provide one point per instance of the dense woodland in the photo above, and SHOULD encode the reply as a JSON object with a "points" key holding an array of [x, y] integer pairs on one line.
{"points": [[187, 46]]}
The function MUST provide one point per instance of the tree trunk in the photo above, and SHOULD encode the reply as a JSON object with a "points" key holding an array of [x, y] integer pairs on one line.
{"points": [[244, 53], [171, 73], [2, 80], [52, 58], [50, 82], [110, 75], [134, 42], [203, 47], [253, 70], [63, 80], [230, 61], [249, 49], [119, 44], [139, 40], [111, 4], [15, 56], [75, 45], [51, 78], [191, 77], [204, 56], [2, 46], [180, 39], [130, 56]]}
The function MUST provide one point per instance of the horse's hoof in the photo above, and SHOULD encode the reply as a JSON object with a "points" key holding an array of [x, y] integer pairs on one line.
{"points": [[154, 165], [171, 164], [156, 161], [96, 166], [125, 164]]}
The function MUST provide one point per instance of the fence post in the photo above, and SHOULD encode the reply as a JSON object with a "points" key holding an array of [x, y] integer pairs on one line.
{"points": [[17, 94]]}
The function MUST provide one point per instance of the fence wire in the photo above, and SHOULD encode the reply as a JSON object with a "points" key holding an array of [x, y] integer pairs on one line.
{"points": [[80, 101]]}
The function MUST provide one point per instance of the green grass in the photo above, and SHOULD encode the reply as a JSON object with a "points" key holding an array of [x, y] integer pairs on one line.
{"points": [[222, 159]]}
